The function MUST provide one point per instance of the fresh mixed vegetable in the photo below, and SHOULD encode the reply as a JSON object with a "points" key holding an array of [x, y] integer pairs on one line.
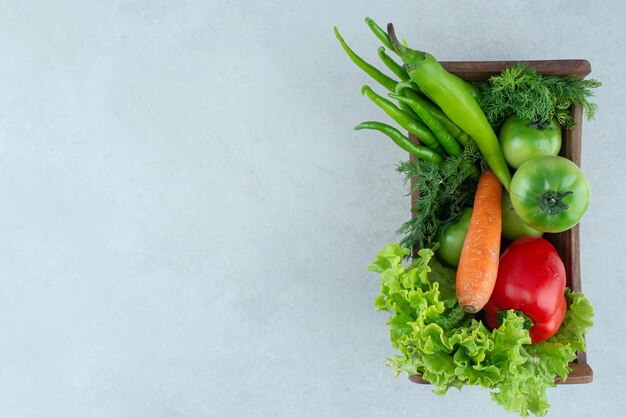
{"points": [[476, 293]]}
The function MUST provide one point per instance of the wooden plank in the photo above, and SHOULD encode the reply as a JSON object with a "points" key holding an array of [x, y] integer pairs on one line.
{"points": [[573, 150], [482, 70], [581, 373], [567, 243]]}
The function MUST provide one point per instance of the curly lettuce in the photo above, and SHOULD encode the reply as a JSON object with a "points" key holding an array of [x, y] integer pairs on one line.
{"points": [[448, 347]]}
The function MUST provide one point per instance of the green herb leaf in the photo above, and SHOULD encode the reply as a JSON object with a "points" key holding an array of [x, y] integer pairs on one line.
{"points": [[444, 190], [520, 91]]}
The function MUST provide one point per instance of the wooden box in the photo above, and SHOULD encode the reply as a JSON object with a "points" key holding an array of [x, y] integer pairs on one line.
{"points": [[567, 243]]}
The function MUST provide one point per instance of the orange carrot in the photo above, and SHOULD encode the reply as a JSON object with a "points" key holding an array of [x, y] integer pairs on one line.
{"points": [[478, 266]]}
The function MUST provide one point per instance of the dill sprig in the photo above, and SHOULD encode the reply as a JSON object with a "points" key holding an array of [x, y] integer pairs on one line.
{"points": [[444, 190], [521, 91]]}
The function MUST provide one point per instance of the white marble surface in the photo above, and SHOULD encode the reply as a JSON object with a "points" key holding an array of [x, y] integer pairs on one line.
{"points": [[186, 213]]}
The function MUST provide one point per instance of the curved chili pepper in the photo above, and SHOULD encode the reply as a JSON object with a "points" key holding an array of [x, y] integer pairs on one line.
{"points": [[444, 137], [384, 38], [379, 32], [408, 89], [395, 68], [402, 141], [398, 70], [407, 109], [452, 95], [414, 126], [446, 140], [386, 81]]}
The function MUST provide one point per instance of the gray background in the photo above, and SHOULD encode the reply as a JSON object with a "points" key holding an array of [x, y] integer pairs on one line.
{"points": [[186, 213]]}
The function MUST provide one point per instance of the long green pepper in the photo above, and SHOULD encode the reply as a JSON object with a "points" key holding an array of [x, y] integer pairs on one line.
{"points": [[445, 138], [408, 89], [412, 125], [384, 38], [382, 78], [452, 95], [386, 81], [395, 68], [401, 73], [379, 32], [402, 141]]}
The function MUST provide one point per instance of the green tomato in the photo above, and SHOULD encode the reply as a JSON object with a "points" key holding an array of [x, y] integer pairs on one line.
{"points": [[550, 194], [522, 141], [512, 226], [451, 238]]}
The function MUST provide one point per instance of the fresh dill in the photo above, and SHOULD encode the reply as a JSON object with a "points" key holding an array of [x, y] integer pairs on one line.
{"points": [[521, 91], [444, 190]]}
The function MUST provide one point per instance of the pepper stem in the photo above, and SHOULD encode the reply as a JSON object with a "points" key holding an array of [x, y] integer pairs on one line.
{"points": [[410, 57], [552, 202]]}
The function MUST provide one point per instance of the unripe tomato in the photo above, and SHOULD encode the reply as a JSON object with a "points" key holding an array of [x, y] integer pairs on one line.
{"points": [[451, 238], [522, 141], [512, 226], [550, 194]]}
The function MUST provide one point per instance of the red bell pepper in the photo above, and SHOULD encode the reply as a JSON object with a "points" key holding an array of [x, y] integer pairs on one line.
{"points": [[531, 279]]}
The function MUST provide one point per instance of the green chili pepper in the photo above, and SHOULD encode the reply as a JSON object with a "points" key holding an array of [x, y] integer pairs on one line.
{"points": [[407, 109], [396, 68], [379, 32], [386, 81], [402, 141], [408, 89], [414, 126], [452, 95], [446, 140]]}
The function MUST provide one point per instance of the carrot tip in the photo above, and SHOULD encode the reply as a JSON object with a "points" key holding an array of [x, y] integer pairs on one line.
{"points": [[470, 309]]}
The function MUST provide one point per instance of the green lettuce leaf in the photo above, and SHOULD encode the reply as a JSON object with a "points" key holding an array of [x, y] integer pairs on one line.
{"points": [[435, 338]]}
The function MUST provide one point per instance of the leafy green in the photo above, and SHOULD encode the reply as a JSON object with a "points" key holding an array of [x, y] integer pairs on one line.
{"points": [[435, 338], [444, 190], [520, 91]]}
